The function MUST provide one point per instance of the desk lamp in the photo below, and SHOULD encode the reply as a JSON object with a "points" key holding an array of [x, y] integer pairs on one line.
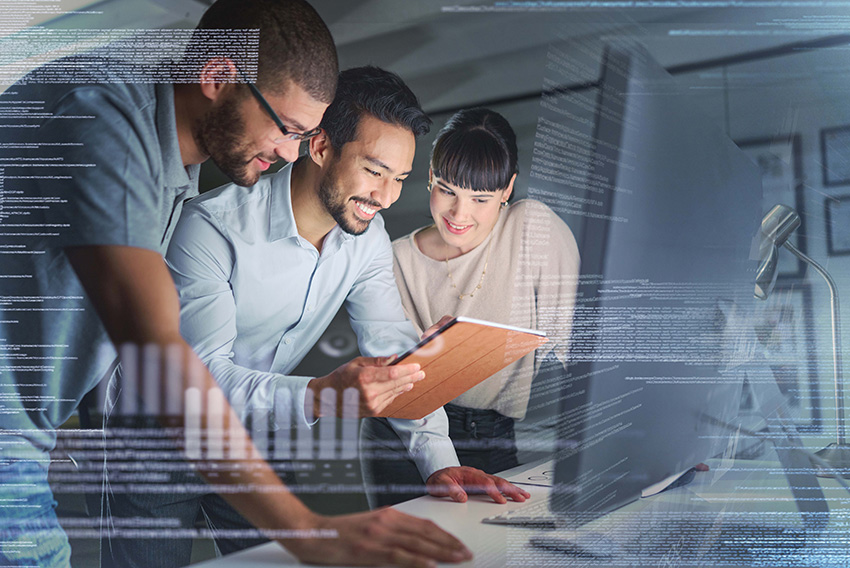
{"points": [[779, 223]]}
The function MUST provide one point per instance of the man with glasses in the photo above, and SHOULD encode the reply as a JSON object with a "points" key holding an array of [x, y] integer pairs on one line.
{"points": [[262, 271], [286, 135], [90, 271]]}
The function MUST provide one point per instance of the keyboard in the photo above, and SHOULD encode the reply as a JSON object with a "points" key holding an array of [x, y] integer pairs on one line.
{"points": [[654, 537], [681, 543], [534, 515]]}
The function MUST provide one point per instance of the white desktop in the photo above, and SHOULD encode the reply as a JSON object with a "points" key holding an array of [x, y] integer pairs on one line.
{"points": [[752, 490]]}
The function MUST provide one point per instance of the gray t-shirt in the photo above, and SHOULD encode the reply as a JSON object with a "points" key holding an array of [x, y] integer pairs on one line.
{"points": [[85, 164]]}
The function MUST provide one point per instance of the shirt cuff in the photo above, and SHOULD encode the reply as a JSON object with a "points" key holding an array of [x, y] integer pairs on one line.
{"points": [[289, 397], [433, 456], [427, 441]]}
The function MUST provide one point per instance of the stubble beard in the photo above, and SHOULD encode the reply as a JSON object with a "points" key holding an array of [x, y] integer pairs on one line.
{"points": [[219, 135], [337, 206]]}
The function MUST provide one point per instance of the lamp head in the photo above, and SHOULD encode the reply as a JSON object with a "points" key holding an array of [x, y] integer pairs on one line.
{"points": [[776, 227], [766, 273]]}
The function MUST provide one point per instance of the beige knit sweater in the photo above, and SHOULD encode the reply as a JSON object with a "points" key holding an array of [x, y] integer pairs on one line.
{"points": [[530, 282]]}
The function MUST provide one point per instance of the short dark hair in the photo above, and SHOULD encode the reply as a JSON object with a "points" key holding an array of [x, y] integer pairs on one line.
{"points": [[294, 43], [374, 91], [476, 149]]}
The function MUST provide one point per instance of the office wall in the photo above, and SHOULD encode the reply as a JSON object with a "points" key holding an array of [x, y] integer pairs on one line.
{"points": [[773, 98]]}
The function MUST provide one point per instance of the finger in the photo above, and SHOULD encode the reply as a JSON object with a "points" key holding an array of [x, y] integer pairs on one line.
{"points": [[450, 489], [433, 329], [402, 388], [482, 483], [493, 491], [379, 390], [383, 400], [429, 332], [436, 489], [416, 551], [400, 371], [390, 382], [429, 532], [374, 381], [403, 559], [457, 494], [510, 490], [371, 361], [444, 486], [386, 380]]}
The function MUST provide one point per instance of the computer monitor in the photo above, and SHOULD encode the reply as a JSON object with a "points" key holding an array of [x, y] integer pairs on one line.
{"points": [[672, 207]]}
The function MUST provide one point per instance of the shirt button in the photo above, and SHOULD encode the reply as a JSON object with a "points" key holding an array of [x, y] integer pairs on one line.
{"points": [[288, 340], [309, 308]]}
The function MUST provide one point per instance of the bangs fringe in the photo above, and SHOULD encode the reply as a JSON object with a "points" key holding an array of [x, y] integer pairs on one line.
{"points": [[472, 159]]}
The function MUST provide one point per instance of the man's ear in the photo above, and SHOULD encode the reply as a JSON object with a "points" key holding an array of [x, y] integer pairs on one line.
{"points": [[320, 148], [217, 75]]}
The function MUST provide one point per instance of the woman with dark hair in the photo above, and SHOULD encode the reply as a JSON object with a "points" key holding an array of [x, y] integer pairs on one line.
{"points": [[515, 265]]}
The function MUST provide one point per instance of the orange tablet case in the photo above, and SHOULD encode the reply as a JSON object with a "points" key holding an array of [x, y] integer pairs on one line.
{"points": [[457, 357]]}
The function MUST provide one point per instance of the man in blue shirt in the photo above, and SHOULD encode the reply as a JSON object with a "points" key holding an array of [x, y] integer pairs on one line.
{"points": [[88, 270], [262, 271]]}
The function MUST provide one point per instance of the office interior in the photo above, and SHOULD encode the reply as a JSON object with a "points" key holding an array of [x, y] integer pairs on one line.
{"points": [[774, 76]]}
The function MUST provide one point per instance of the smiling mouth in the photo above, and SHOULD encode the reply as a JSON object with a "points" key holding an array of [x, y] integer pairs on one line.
{"points": [[456, 229], [365, 211], [264, 164]]}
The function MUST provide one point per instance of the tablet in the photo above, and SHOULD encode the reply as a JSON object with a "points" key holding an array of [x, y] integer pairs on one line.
{"points": [[458, 356]]}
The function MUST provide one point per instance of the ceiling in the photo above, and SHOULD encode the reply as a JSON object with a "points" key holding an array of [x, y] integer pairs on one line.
{"points": [[461, 53]]}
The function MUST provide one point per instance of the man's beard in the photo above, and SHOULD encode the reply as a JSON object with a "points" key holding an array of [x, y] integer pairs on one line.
{"points": [[336, 204], [219, 135]]}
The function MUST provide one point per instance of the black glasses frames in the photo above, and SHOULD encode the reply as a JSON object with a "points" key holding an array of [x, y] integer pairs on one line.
{"points": [[287, 135]]}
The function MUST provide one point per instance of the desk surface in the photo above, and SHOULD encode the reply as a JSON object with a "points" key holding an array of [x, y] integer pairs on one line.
{"points": [[463, 520], [751, 487]]}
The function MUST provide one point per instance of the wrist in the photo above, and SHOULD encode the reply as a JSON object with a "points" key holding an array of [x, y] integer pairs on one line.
{"points": [[310, 538], [313, 395], [305, 520], [433, 477]]}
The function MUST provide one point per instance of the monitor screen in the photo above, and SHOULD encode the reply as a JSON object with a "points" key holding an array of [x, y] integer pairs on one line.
{"points": [[660, 331]]}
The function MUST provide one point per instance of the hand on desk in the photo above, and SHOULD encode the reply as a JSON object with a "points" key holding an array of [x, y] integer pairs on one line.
{"points": [[456, 482], [377, 383], [382, 537]]}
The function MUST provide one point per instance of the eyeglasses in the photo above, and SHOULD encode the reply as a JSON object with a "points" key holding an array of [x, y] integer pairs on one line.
{"points": [[287, 135]]}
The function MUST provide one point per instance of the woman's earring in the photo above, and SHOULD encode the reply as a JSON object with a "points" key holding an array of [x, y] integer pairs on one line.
{"points": [[429, 186], [504, 203]]}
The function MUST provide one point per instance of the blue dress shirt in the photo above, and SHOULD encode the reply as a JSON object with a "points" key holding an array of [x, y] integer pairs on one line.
{"points": [[255, 297]]}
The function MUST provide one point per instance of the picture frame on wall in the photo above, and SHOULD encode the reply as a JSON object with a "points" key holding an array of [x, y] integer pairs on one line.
{"points": [[784, 330], [781, 165], [837, 215], [835, 155]]}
